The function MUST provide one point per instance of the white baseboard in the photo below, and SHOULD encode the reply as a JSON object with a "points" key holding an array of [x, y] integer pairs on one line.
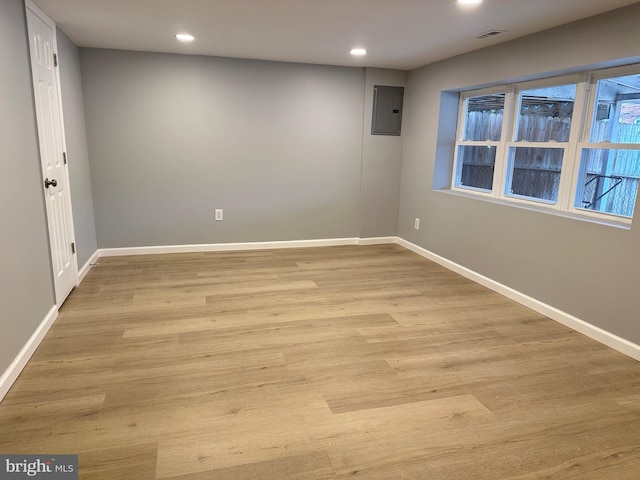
{"points": [[596, 333], [226, 247], [87, 266], [13, 370], [377, 240]]}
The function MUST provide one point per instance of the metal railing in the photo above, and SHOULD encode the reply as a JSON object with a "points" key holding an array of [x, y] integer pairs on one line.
{"points": [[595, 196]]}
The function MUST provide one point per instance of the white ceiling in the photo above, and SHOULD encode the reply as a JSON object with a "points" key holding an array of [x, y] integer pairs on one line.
{"points": [[401, 34]]}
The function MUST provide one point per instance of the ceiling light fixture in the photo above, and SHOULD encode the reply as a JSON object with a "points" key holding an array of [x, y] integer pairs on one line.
{"points": [[469, 2], [185, 37], [358, 52]]}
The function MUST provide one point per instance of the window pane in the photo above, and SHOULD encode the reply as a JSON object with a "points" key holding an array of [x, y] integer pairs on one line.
{"points": [[617, 114], [609, 181], [483, 117], [545, 114], [476, 167], [534, 172]]}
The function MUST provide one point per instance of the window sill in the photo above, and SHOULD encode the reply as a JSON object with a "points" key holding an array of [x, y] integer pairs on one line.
{"points": [[537, 208]]}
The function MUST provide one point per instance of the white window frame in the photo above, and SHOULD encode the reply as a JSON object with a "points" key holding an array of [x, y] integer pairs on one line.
{"points": [[579, 136]]}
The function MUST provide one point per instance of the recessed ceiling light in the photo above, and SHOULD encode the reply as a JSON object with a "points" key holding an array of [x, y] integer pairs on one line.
{"points": [[469, 2], [358, 52], [185, 37]]}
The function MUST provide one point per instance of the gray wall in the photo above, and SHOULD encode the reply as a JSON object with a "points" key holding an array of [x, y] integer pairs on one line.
{"points": [[172, 137], [588, 270], [381, 164], [77, 151], [26, 285]]}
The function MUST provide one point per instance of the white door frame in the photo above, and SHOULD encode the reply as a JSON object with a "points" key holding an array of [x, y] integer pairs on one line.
{"points": [[61, 293]]}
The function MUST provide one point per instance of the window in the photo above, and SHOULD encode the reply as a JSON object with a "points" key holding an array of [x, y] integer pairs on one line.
{"points": [[481, 134], [610, 160], [536, 156], [570, 143]]}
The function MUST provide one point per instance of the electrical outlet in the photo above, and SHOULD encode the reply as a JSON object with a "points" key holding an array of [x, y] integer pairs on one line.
{"points": [[416, 224], [218, 215]]}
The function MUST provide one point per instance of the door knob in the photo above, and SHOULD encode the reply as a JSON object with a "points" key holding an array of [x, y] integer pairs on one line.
{"points": [[50, 183]]}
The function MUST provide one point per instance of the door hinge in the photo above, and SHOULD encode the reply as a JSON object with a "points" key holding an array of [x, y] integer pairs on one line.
{"points": [[73, 247], [64, 157], [55, 59]]}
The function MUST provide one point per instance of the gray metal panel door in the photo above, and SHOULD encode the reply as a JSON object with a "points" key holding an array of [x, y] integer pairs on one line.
{"points": [[387, 110]]}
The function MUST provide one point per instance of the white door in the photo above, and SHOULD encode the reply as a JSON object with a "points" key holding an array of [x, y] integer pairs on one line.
{"points": [[55, 180]]}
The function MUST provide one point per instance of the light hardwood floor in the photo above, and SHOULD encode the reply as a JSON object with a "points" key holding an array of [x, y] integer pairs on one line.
{"points": [[325, 363]]}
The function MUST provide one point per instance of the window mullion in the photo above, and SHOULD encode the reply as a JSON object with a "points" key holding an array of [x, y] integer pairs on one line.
{"points": [[502, 151], [571, 164]]}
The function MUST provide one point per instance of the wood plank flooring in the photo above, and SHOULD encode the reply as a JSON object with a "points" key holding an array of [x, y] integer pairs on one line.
{"points": [[321, 363]]}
